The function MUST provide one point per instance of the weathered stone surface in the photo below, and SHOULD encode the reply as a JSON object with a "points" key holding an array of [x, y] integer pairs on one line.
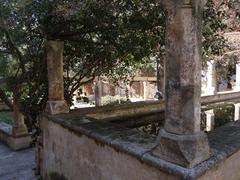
{"points": [[183, 67], [57, 107], [19, 127], [19, 130], [56, 103], [107, 153], [123, 110], [15, 142], [55, 70], [220, 98], [20, 142], [90, 158], [182, 141], [184, 150]]}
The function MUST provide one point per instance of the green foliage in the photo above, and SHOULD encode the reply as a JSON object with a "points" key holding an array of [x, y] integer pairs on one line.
{"points": [[113, 100], [109, 38], [151, 129], [223, 115], [213, 41]]}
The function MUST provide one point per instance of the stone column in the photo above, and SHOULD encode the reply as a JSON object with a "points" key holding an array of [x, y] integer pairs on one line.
{"points": [[237, 87], [97, 93], [181, 141], [210, 121], [237, 112], [145, 90], [211, 79], [19, 127], [56, 103]]}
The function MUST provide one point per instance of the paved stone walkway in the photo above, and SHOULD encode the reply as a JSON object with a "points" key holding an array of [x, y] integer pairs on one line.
{"points": [[17, 165]]}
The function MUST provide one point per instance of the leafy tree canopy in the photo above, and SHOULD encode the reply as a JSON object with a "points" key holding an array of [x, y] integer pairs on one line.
{"points": [[109, 38]]}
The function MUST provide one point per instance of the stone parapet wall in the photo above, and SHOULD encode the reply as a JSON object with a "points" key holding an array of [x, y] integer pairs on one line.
{"points": [[75, 156], [145, 107], [124, 110], [78, 148], [221, 97]]}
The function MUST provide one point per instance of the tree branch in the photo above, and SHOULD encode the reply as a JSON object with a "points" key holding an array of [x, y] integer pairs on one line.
{"points": [[13, 47]]}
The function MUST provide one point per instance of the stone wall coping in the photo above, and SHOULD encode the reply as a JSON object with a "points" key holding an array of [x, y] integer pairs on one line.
{"points": [[114, 107], [204, 100], [224, 142]]}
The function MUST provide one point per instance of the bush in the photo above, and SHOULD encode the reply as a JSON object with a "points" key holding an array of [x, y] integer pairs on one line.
{"points": [[114, 100]]}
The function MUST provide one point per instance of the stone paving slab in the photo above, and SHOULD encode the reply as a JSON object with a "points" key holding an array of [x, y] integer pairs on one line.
{"points": [[16, 165]]}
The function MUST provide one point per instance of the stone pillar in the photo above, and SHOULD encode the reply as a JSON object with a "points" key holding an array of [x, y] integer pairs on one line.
{"points": [[237, 87], [19, 127], [211, 79], [97, 93], [56, 103], [181, 141], [237, 112], [145, 90], [210, 121]]}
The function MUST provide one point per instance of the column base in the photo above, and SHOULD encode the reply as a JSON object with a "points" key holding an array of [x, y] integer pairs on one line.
{"points": [[184, 150], [57, 107], [20, 142], [19, 131]]}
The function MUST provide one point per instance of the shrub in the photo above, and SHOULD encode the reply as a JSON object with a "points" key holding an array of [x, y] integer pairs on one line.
{"points": [[114, 100]]}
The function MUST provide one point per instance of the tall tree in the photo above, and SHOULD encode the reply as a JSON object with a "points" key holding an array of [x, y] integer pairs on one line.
{"points": [[109, 38]]}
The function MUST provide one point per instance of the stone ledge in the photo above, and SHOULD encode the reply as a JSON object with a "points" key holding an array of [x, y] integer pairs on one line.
{"points": [[224, 142], [14, 142], [143, 108]]}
